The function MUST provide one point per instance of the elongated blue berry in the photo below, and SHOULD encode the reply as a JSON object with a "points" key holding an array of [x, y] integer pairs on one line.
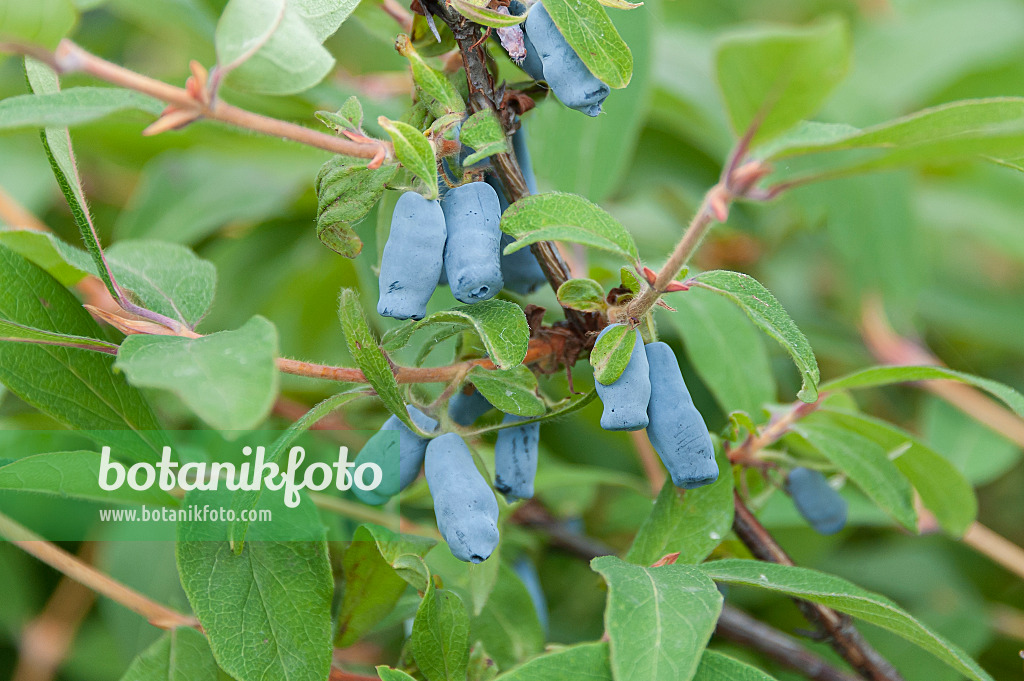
{"points": [[566, 74], [411, 263], [515, 458], [625, 401], [466, 409], [522, 153], [400, 461], [465, 506], [472, 259], [676, 429], [531, 63], [818, 503]]}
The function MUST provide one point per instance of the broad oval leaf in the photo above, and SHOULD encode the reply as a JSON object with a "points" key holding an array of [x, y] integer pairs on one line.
{"points": [[415, 152], [512, 391], [500, 324], [865, 462], [229, 378], [484, 134], [440, 636], [267, 611], [181, 654], [768, 314], [874, 377], [944, 490], [841, 595], [43, 22], [592, 35], [691, 522], [586, 661], [659, 619], [612, 352], [773, 78], [556, 216], [585, 295], [445, 98]]}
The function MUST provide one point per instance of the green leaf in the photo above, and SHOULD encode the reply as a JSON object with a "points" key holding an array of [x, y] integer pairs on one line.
{"points": [[444, 97], [348, 117], [715, 666], [71, 107], [950, 132], [274, 46], [76, 387], [691, 522], [12, 332], [565, 217], [659, 619], [165, 278], [874, 377], [440, 636], [229, 378], [43, 22], [57, 144], [371, 359], [585, 661], [973, 448], [943, 489], [181, 654], [377, 566], [346, 191], [775, 77], [414, 151], [769, 316], [866, 463], [841, 595], [592, 35], [563, 408], [267, 612], [612, 352], [500, 324], [512, 391], [389, 674], [478, 12], [726, 350], [508, 625], [585, 295], [73, 475], [45, 250], [484, 134]]}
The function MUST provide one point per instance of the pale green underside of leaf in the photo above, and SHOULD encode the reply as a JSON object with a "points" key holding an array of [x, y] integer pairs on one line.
{"points": [[768, 314], [841, 595], [511, 391], [228, 378], [414, 151], [71, 107], [585, 295], [612, 353]]}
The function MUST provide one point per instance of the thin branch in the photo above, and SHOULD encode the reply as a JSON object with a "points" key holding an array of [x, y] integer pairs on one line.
{"points": [[842, 635], [996, 547], [70, 58], [654, 471], [62, 561], [739, 627]]}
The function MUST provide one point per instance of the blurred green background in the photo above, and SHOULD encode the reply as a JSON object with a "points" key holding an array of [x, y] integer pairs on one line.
{"points": [[943, 247]]}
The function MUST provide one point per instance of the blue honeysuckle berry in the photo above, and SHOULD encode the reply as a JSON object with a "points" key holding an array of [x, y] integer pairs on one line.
{"points": [[817, 502], [413, 255], [676, 429], [472, 257], [464, 409], [400, 461], [625, 401], [465, 506], [565, 73], [515, 458]]}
